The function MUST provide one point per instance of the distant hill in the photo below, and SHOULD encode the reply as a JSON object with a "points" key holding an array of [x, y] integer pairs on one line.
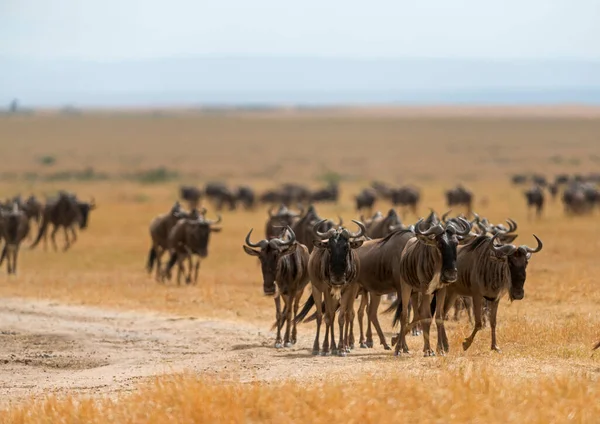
{"points": [[296, 80]]}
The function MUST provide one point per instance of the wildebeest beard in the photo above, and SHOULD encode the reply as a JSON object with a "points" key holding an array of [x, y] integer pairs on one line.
{"points": [[198, 239], [448, 251], [339, 249]]}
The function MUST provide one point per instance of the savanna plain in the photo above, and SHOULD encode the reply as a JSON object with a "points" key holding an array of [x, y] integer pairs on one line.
{"points": [[88, 336]]}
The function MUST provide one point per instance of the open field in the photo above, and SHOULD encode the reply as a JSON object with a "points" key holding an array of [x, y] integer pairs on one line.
{"points": [[91, 323]]}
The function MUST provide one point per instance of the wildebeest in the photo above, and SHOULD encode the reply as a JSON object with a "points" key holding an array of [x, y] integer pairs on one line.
{"points": [[407, 197], [283, 217], [190, 194], [14, 227], [539, 180], [380, 226], [328, 194], [519, 179], [220, 195], [284, 270], [561, 179], [64, 211], [488, 271], [303, 227], [365, 199], [245, 196], [553, 190], [188, 238], [505, 234], [160, 227], [535, 199], [460, 196], [383, 190], [333, 267], [580, 198]]}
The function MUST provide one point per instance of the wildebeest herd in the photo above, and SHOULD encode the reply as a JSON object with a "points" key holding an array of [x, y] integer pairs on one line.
{"points": [[64, 211]]}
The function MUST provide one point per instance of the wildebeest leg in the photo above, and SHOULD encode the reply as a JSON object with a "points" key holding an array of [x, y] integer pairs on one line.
{"points": [[373, 309], [348, 304], [341, 320], [296, 306], [424, 315], [159, 271], [278, 320], [442, 343], [67, 241], [196, 270], [180, 267], [288, 300], [468, 302], [417, 329], [477, 309], [361, 314], [53, 238], [330, 307], [493, 314], [316, 294], [74, 235], [405, 294]]}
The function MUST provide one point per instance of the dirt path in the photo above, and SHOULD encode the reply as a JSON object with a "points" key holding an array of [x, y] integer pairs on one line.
{"points": [[47, 347]]}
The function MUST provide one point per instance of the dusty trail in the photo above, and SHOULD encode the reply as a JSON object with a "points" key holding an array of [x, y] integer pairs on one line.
{"points": [[46, 347]]}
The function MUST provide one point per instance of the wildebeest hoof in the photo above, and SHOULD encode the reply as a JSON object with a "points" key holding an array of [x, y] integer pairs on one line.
{"points": [[416, 332], [278, 345], [315, 352], [496, 349], [287, 344], [363, 345], [370, 345], [325, 353], [466, 344], [386, 347], [342, 353], [351, 347], [428, 353], [441, 352]]}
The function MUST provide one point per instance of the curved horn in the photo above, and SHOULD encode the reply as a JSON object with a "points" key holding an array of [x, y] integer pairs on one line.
{"points": [[260, 244], [92, 202], [202, 211], [340, 221], [291, 241], [537, 249], [211, 222], [301, 209], [436, 229], [512, 225], [505, 250], [466, 226], [444, 216], [325, 235], [270, 212], [362, 230]]}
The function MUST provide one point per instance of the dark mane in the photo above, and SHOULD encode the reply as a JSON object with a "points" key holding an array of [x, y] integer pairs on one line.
{"points": [[392, 235], [476, 242]]}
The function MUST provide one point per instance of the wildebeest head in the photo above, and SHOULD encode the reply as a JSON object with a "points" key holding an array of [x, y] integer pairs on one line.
{"points": [[445, 239], [517, 259], [84, 210], [33, 208], [269, 252], [198, 234], [505, 234], [339, 244]]}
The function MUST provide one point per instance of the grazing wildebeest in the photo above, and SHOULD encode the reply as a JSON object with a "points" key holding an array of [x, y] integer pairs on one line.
{"points": [[245, 195], [519, 179], [14, 227], [190, 194], [407, 197], [65, 211], [460, 196], [365, 199], [221, 195], [333, 267], [284, 270], [188, 238], [381, 226], [535, 199], [488, 271], [328, 194], [282, 218], [303, 227], [428, 266], [160, 227]]}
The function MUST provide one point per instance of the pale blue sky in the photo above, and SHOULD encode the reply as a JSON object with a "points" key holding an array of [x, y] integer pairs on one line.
{"points": [[127, 29]]}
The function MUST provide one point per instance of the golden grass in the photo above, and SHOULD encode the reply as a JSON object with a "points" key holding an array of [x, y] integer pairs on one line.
{"points": [[472, 394], [546, 373]]}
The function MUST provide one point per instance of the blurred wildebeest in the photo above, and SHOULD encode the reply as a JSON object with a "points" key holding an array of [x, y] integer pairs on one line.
{"points": [[303, 227], [488, 271], [327, 194], [64, 211], [14, 227], [535, 199], [383, 190], [245, 195], [284, 270], [190, 194], [460, 196], [365, 199], [553, 190], [406, 197], [279, 220], [295, 193], [505, 234], [380, 226], [539, 179], [580, 198], [519, 179], [220, 195], [561, 179], [187, 238], [160, 227]]}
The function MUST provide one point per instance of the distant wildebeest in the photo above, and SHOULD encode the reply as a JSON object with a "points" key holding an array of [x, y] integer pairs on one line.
{"points": [[246, 197], [383, 190], [519, 179], [333, 267], [282, 218], [380, 226], [580, 198], [553, 190], [190, 194], [539, 180], [303, 227], [561, 179], [328, 194], [460, 196], [488, 271], [14, 227], [220, 195], [160, 227], [188, 238], [407, 197], [64, 211], [365, 199], [535, 199], [284, 266]]}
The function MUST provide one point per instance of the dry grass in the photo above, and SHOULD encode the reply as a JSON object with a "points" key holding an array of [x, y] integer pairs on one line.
{"points": [[546, 373]]}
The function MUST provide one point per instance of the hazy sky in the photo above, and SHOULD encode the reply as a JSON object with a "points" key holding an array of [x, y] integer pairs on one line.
{"points": [[119, 29]]}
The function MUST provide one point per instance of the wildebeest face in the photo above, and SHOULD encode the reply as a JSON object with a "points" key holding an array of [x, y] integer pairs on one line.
{"points": [[84, 212], [339, 248], [517, 263], [200, 236]]}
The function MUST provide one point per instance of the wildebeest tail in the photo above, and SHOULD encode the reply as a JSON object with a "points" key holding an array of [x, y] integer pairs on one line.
{"points": [[41, 231], [314, 316], [171, 263], [393, 306], [151, 259], [305, 309]]}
